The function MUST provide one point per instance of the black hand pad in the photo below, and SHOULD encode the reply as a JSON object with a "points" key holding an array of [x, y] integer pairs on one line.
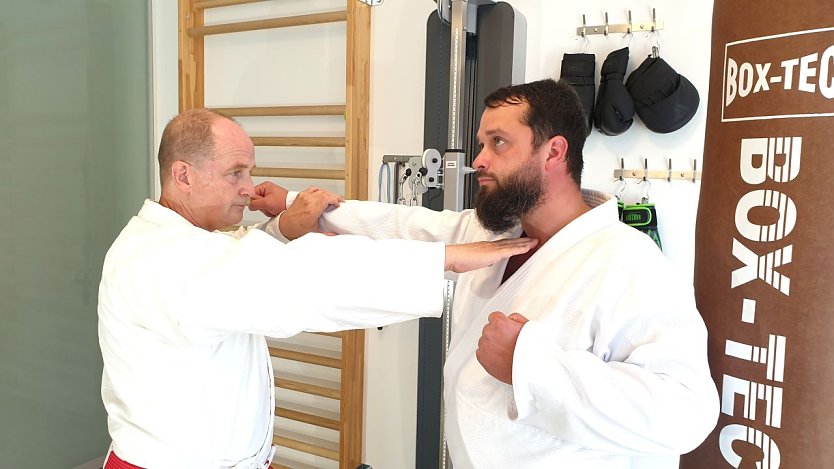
{"points": [[614, 111], [664, 99], [580, 71]]}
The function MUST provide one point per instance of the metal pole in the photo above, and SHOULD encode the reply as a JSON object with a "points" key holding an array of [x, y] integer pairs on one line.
{"points": [[457, 62], [453, 163], [454, 159]]}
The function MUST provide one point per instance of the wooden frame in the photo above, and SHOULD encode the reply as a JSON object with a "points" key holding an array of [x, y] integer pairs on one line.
{"points": [[356, 110]]}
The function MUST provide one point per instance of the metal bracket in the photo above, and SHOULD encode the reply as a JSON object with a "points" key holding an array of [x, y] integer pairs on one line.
{"points": [[419, 174], [428, 167], [372, 3]]}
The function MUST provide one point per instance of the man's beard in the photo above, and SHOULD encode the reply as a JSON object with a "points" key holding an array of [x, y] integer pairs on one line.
{"points": [[501, 208]]}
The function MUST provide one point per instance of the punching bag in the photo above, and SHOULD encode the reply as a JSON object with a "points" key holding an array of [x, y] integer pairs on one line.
{"points": [[764, 261]]}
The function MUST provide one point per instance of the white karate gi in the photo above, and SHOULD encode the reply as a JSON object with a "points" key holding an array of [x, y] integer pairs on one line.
{"points": [[183, 312], [611, 371]]}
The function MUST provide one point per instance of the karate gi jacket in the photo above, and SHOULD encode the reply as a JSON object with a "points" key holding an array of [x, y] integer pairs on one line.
{"points": [[611, 370], [183, 312]]}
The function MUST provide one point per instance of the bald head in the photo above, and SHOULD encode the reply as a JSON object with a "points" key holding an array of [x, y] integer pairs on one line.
{"points": [[188, 137], [206, 161]]}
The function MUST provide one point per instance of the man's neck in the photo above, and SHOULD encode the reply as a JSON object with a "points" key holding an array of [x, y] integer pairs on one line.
{"points": [[545, 221], [176, 205], [555, 212]]}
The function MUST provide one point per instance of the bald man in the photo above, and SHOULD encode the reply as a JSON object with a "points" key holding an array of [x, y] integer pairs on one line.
{"points": [[184, 308]]}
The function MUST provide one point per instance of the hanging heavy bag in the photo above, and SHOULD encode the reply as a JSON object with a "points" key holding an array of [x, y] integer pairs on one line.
{"points": [[580, 71], [614, 111], [764, 265], [664, 99]]}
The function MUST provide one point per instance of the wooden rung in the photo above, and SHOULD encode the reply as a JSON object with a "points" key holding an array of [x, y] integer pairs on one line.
{"points": [[340, 334], [271, 23], [317, 357], [299, 173], [293, 383], [278, 111], [281, 462], [299, 141], [204, 4], [309, 418], [309, 445]]}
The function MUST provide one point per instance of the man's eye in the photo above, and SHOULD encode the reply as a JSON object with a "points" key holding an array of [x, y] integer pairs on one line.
{"points": [[236, 173], [498, 141]]}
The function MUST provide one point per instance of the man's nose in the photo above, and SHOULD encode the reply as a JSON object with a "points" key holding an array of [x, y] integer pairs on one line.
{"points": [[480, 161], [248, 189]]}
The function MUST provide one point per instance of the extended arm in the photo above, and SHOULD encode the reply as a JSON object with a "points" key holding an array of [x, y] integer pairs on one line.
{"points": [[315, 284], [376, 220], [270, 199], [320, 283]]}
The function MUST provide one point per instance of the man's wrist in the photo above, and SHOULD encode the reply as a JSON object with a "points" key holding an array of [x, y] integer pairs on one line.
{"points": [[291, 195], [283, 203], [278, 219]]}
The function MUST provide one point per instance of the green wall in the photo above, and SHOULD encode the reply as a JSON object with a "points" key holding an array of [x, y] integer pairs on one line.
{"points": [[75, 145]]}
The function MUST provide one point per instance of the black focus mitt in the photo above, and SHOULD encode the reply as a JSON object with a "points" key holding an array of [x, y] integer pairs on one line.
{"points": [[664, 99], [580, 71], [614, 111]]}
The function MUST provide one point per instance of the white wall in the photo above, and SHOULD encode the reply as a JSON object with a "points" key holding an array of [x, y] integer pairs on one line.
{"points": [[163, 74], [397, 70], [398, 42]]}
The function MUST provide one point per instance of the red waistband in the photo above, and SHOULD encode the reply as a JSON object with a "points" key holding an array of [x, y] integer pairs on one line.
{"points": [[115, 462]]}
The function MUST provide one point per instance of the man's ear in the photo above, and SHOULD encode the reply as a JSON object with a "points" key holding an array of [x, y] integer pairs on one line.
{"points": [[557, 153], [182, 175]]}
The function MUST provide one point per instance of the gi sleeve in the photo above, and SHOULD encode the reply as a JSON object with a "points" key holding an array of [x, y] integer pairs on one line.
{"points": [[315, 283], [385, 221], [269, 227], [645, 388]]}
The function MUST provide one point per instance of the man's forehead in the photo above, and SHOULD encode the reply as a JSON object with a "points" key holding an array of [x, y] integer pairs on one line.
{"points": [[236, 158], [505, 111], [234, 155], [231, 137], [502, 118]]}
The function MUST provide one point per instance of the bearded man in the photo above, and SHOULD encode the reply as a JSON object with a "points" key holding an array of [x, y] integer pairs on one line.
{"points": [[573, 354]]}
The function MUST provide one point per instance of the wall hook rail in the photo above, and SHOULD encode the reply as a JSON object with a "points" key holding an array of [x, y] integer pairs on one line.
{"points": [[630, 27], [667, 173]]}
